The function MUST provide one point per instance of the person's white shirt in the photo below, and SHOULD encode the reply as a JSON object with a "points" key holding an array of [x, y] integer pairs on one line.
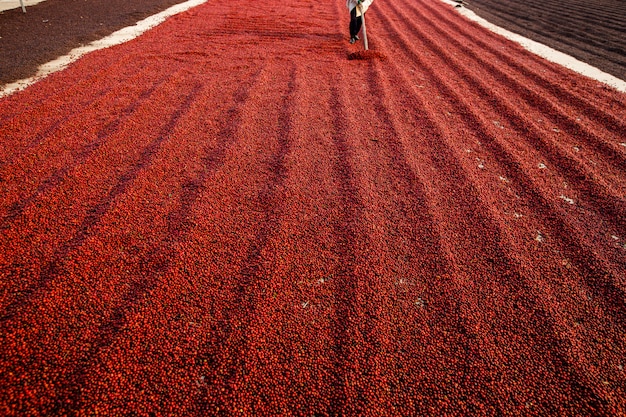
{"points": [[351, 4]]}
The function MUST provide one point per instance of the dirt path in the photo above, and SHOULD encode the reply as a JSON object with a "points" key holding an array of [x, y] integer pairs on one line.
{"points": [[227, 214]]}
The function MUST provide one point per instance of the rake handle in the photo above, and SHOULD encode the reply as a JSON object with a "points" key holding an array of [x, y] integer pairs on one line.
{"points": [[363, 27]]}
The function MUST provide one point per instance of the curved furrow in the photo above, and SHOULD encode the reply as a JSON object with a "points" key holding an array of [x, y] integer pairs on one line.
{"points": [[255, 190], [565, 160], [394, 203], [592, 267], [602, 118], [349, 306], [544, 107], [137, 256], [361, 343], [65, 188], [523, 290], [612, 289], [582, 178], [229, 371], [59, 88], [306, 262], [442, 110], [66, 153], [450, 198], [214, 134], [193, 256], [310, 261], [45, 284], [452, 236], [410, 263], [519, 290], [26, 136], [72, 210], [325, 278], [604, 239], [67, 181], [400, 267]]}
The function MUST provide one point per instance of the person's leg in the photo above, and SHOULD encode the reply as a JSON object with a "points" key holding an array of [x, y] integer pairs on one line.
{"points": [[355, 24], [352, 22]]}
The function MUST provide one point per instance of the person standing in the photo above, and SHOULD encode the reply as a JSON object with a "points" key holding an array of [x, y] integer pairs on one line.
{"points": [[356, 7]]}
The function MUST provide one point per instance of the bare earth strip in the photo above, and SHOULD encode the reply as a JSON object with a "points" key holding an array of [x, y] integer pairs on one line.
{"points": [[115, 38], [54, 27], [227, 216], [592, 31]]}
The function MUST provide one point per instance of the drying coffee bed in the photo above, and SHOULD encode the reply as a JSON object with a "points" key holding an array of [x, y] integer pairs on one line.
{"points": [[227, 216]]}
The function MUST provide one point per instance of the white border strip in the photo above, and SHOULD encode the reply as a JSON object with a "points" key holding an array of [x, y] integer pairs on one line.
{"points": [[17, 4], [123, 35], [545, 51]]}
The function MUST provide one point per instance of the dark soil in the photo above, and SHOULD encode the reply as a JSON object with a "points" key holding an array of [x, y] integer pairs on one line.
{"points": [[591, 31], [54, 27]]}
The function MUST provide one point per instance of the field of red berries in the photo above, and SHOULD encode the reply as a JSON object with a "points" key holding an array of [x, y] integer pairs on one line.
{"points": [[227, 216]]}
